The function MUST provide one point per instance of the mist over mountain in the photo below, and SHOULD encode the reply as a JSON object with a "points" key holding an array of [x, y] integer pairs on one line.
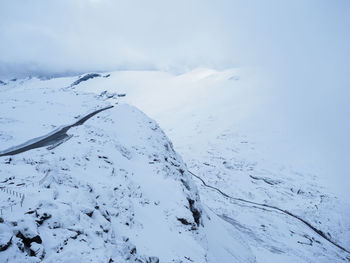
{"points": [[254, 95]]}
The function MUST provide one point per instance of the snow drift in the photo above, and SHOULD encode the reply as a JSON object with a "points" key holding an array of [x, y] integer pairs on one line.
{"points": [[115, 192]]}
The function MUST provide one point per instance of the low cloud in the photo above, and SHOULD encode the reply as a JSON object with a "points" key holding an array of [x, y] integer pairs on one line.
{"points": [[301, 47]]}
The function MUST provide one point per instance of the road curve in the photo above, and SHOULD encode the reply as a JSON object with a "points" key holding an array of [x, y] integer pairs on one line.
{"points": [[317, 231], [51, 138]]}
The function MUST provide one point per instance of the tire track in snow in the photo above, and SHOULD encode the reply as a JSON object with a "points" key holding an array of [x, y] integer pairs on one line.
{"points": [[317, 231]]}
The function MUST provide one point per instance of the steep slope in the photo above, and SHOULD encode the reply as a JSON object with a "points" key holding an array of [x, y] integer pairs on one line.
{"points": [[112, 190], [216, 121]]}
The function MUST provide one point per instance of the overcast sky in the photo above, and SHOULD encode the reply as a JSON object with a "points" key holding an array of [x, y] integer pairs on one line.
{"points": [[302, 47], [81, 35]]}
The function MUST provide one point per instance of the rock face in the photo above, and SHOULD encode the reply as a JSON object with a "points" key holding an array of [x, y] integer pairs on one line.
{"points": [[85, 78], [116, 191]]}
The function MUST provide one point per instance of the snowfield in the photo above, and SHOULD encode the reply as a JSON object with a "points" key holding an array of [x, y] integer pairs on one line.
{"points": [[116, 190]]}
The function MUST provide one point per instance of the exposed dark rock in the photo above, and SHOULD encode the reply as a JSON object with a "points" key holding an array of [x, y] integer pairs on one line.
{"points": [[133, 251], [266, 180], [184, 221], [189, 259], [27, 241], [32, 212], [107, 95], [78, 234], [106, 216], [85, 78], [43, 218], [195, 212], [152, 260], [185, 184], [3, 247], [90, 213]]}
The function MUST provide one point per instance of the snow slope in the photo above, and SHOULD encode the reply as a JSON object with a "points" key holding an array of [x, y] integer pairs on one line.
{"points": [[116, 191], [216, 121]]}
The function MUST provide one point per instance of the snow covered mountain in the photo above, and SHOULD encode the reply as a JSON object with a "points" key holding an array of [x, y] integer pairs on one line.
{"points": [[83, 185], [111, 188]]}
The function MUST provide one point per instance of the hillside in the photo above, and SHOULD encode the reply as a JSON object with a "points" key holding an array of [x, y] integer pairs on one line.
{"points": [[109, 188], [224, 125]]}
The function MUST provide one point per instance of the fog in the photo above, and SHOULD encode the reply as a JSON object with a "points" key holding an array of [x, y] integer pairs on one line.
{"points": [[301, 48]]}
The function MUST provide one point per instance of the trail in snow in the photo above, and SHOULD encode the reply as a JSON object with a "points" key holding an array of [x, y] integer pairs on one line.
{"points": [[58, 135], [319, 232]]}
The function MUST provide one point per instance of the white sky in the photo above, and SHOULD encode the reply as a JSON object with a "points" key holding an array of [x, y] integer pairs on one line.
{"points": [[80, 35]]}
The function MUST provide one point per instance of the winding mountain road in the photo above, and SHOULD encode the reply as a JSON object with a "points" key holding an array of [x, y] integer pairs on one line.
{"points": [[60, 134], [317, 231], [53, 137]]}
